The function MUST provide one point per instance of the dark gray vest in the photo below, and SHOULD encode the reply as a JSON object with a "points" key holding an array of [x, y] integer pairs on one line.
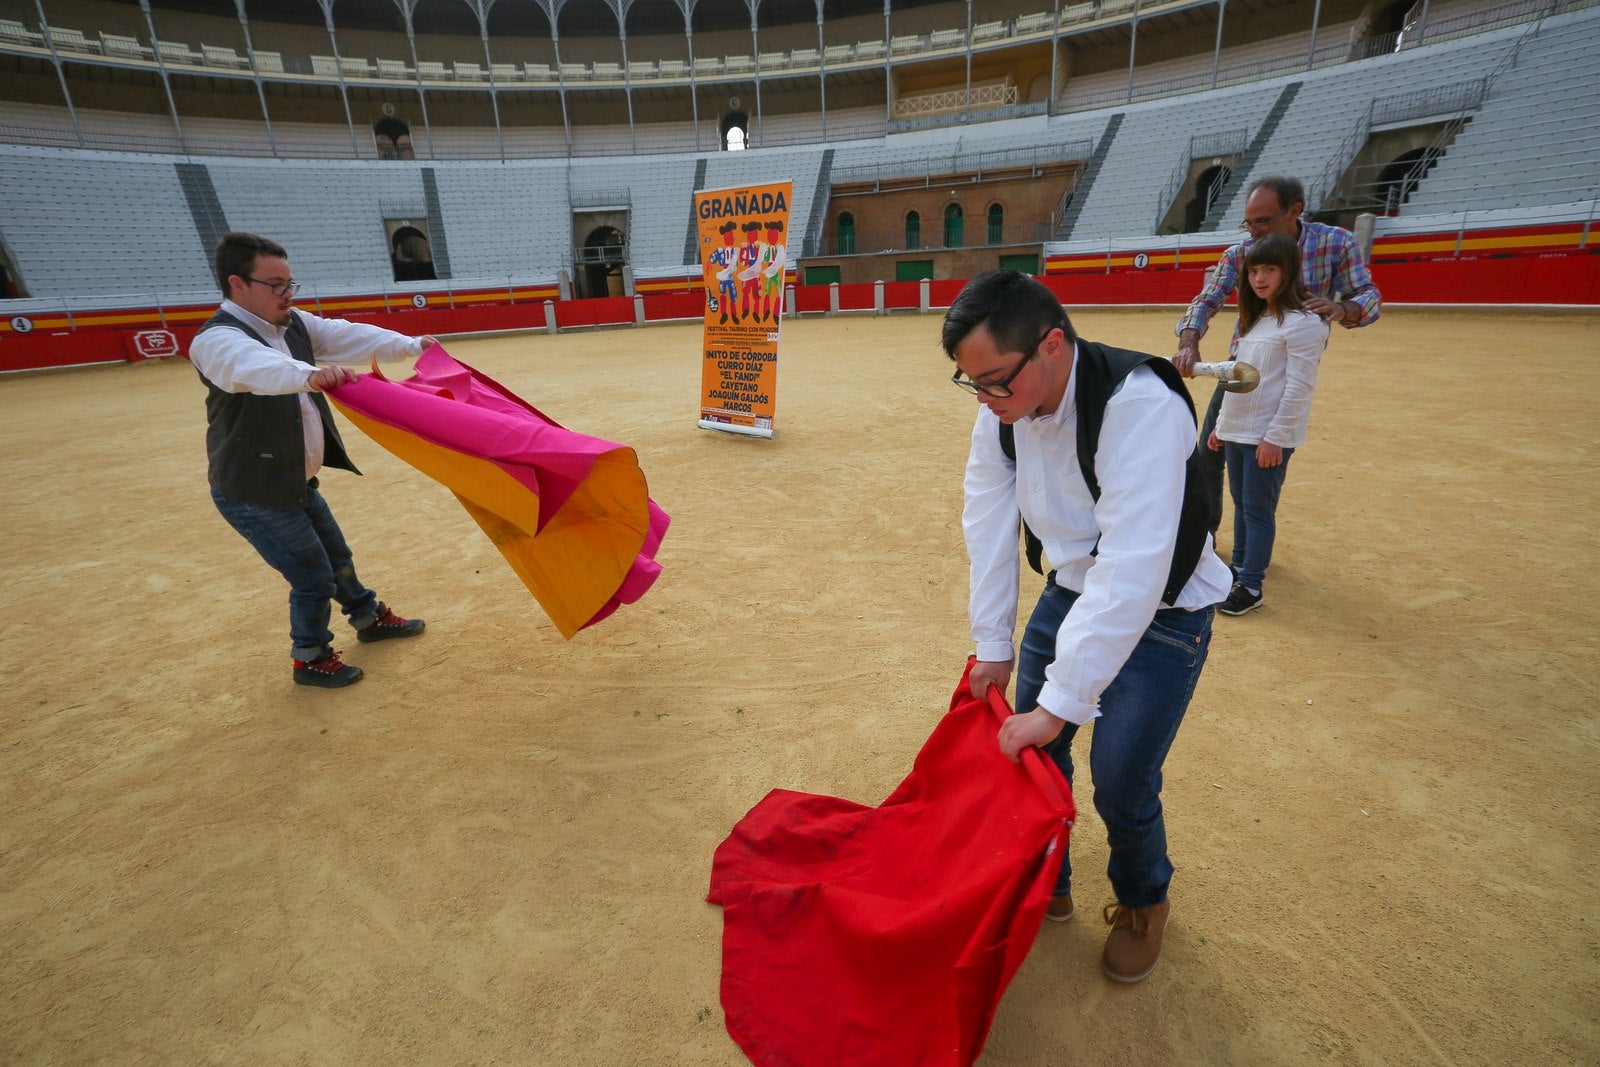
{"points": [[256, 445]]}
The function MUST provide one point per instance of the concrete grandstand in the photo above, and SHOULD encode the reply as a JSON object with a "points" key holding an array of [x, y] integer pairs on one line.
{"points": [[468, 164]]}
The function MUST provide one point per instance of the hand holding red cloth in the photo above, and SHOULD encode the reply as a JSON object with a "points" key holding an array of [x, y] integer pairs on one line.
{"points": [[885, 936]]}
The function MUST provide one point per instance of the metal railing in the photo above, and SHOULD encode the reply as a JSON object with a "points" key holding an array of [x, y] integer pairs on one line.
{"points": [[1434, 31], [1455, 103], [950, 101], [599, 255], [592, 198], [963, 118], [971, 166], [1459, 101], [1201, 146]]}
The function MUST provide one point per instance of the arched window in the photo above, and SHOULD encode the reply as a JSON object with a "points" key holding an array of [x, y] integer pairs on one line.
{"points": [[847, 234], [393, 137], [997, 224], [952, 226], [735, 129], [411, 255], [913, 230]]}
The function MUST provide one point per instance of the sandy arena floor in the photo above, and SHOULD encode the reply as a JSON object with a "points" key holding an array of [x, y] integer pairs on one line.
{"points": [[495, 849]]}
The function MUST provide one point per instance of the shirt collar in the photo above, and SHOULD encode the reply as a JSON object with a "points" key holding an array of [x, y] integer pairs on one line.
{"points": [[1069, 400], [255, 322]]}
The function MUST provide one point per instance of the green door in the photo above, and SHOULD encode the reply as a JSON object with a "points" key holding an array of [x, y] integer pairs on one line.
{"points": [[913, 270], [822, 275], [1026, 264]]}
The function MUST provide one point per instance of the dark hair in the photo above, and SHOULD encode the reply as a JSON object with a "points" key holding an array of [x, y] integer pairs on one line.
{"points": [[1273, 250], [776, 224], [752, 226], [1289, 191], [729, 226], [1015, 307], [237, 252]]}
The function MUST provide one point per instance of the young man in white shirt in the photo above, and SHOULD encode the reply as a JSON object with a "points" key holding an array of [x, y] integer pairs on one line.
{"points": [[1106, 478], [269, 431]]}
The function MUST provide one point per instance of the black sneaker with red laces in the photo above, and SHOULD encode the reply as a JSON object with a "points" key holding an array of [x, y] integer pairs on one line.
{"points": [[326, 672], [387, 624]]}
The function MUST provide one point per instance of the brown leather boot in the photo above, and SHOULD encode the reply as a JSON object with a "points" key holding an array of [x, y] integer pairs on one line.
{"points": [[1060, 908], [1134, 944]]}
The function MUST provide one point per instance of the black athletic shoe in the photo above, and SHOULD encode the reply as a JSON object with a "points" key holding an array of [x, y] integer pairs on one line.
{"points": [[326, 672], [387, 624], [1241, 601]]}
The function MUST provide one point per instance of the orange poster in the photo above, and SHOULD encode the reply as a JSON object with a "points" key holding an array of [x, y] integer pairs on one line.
{"points": [[744, 254]]}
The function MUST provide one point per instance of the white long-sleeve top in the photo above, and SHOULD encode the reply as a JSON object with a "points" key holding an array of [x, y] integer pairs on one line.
{"points": [[1145, 442], [234, 362], [1287, 354]]}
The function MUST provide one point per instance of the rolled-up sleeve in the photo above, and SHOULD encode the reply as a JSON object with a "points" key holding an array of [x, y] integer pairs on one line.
{"points": [[1355, 284], [989, 518], [1199, 314]]}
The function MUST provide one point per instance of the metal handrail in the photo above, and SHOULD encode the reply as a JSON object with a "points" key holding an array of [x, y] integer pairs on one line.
{"points": [[1225, 143], [966, 164]]}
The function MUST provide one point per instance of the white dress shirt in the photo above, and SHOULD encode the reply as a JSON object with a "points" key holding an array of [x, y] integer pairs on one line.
{"points": [[231, 360], [1287, 355], [1145, 442]]}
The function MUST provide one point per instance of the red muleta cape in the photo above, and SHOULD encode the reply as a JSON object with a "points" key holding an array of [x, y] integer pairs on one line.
{"points": [[885, 936]]}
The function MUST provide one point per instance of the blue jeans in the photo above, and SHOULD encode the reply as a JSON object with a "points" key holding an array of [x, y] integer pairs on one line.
{"points": [[306, 546], [1139, 716], [1255, 492]]}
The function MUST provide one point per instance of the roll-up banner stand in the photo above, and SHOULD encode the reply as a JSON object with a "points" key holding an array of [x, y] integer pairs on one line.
{"points": [[744, 255]]}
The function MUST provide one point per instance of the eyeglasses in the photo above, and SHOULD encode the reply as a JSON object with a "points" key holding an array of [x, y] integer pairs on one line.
{"points": [[283, 289], [1002, 388], [1261, 224]]}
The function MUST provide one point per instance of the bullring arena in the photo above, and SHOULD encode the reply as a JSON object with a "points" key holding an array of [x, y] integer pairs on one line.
{"points": [[496, 848]]}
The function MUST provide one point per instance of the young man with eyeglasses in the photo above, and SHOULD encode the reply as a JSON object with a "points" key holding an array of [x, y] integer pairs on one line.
{"points": [[268, 432], [1335, 274], [1092, 447]]}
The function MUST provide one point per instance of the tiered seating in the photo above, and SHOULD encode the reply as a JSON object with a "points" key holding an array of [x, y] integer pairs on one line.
{"points": [[1331, 103], [488, 241], [1126, 195], [1535, 141], [67, 223], [728, 169], [1252, 62], [842, 126], [325, 214], [661, 203]]}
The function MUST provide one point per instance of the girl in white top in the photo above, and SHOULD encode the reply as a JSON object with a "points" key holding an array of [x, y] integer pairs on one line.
{"points": [[1258, 431]]}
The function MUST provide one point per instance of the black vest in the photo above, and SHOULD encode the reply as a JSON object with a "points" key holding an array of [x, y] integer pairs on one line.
{"points": [[1099, 370], [255, 444]]}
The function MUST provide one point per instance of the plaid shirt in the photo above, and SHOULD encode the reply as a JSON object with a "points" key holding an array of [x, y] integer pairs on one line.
{"points": [[1330, 263]]}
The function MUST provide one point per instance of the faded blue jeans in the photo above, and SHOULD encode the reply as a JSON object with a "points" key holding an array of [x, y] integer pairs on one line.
{"points": [[1139, 716], [306, 546], [1255, 491]]}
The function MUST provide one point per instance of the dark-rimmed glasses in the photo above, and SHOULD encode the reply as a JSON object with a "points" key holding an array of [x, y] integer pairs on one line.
{"points": [[1251, 224], [278, 288], [1002, 388]]}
